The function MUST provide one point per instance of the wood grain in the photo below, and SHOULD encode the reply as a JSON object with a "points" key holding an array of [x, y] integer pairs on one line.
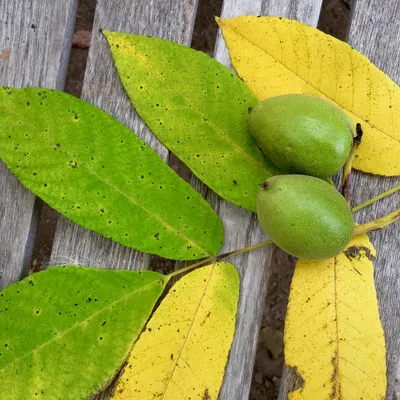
{"points": [[242, 228], [375, 31], [166, 19], [35, 41]]}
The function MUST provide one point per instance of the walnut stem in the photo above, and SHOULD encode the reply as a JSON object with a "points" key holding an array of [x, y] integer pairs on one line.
{"points": [[214, 259], [346, 179]]}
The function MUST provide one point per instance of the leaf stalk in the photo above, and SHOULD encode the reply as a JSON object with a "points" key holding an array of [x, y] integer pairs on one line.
{"points": [[378, 223], [214, 259], [376, 198]]}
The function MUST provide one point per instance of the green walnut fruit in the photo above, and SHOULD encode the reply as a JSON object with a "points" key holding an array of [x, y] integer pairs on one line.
{"points": [[302, 134], [305, 216]]}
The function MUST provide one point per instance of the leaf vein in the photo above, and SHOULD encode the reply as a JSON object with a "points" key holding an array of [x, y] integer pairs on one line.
{"points": [[211, 123], [166, 224], [188, 333], [63, 333], [311, 85]]}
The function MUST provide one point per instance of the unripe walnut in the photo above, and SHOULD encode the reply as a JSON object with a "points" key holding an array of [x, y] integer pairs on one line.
{"points": [[302, 134]]}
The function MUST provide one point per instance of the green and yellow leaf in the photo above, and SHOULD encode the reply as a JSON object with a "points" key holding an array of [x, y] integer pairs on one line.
{"points": [[333, 334], [276, 56], [198, 108], [66, 331], [96, 172], [183, 351]]}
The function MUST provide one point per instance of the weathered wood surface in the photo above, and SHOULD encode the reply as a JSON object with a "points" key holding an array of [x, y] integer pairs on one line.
{"points": [[35, 41], [34, 64], [375, 31], [171, 20], [242, 228]]}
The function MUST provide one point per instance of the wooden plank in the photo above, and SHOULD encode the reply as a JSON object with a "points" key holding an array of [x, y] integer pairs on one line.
{"points": [[242, 228], [374, 30], [166, 19], [35, 41], [397, 384]]}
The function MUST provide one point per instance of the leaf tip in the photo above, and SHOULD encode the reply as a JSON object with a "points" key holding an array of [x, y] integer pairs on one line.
{"points": [[106, 33], [219, 21]]}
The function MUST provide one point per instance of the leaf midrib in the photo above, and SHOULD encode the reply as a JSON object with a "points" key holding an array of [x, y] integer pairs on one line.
{"points": [[211, 123], [336, 382], [310, 84], [58, 336], [188, 333], [170, 227]]}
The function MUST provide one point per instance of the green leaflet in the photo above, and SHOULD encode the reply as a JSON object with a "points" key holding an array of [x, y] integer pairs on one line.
{"points": [[96, 172], [67, 330], [198, 108]]}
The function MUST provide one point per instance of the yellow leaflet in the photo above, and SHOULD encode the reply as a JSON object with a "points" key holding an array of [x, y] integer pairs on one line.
{"points": [[183, 351], [276, 56], [333, 335]]}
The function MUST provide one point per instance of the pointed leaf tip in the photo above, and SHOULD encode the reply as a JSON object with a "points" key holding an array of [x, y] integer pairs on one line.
{"points": [[198, 109], [96, 172]]}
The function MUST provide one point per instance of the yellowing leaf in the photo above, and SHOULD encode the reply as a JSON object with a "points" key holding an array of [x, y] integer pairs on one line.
{"points": [[333, 335], [276, 56], [184, 349]]}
